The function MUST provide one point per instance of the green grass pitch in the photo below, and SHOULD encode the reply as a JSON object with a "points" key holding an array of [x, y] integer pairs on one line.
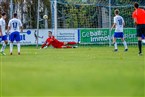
{"points": [[85, 71]]}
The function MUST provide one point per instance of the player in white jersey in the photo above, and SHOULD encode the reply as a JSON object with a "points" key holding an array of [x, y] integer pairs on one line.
{"points": [[15, 27], [118, 24], [3, 36]]}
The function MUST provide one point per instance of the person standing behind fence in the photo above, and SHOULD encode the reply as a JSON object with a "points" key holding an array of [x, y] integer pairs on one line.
{"points": [[139, 20], [15, 27]]}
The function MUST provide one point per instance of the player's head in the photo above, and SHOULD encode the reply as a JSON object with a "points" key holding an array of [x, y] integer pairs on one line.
{"points": [[116, 12], [15, 15], [136, 5], [49, 33], [4, 15]]}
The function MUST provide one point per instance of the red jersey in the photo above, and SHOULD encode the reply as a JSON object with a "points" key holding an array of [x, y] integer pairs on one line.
{"points": [[139, 15], [54, 42]]}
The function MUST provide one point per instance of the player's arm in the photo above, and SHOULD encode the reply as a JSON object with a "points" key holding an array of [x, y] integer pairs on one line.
{"points": [[43, 45], [135, 21], [21, 26], [46, 43], [114, 24], [52, 39], [0, 29], [123, 22], [134, 18], [9, 27]]}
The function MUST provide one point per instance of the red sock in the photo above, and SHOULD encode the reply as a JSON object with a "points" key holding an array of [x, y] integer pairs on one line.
{"points": [[71, 43]]}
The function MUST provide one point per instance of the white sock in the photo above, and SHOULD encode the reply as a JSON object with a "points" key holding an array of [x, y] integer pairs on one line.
{"points": [[115, 45], [3, 47], [125, 44], [11, 47], [18, 46]]}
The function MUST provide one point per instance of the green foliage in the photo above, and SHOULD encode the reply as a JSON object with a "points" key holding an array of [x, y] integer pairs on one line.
{"points": [[4, 7], [76, 13], [78, 16]]}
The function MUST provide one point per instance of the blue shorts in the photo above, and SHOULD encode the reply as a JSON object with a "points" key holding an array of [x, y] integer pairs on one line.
{"points": [[3, 38], [143, 37], [15, 36], [118, 35]]}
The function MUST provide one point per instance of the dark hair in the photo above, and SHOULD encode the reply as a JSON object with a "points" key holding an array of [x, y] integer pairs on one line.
{"points": [[136, 5], [116, 11], [15, 14], [50, 32], [3, 14]]}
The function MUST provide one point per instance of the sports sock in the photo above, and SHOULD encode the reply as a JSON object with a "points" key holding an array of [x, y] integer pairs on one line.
{"points": [[18, 46], [125, 45], [115, 45], [3, 47], [11, 47]]}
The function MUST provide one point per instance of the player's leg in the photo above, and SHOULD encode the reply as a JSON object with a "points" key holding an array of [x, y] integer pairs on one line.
{"points": [[65, 47], [19, 47], [140, 45], [0, 40], [124, 42], [115, 43], [139, 35], [18, 42], [12, 36], [62, 45], [71, 43], [4, 38]]}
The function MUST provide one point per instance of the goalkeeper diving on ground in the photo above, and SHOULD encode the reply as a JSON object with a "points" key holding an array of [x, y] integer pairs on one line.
{"points": [[52, 41]]}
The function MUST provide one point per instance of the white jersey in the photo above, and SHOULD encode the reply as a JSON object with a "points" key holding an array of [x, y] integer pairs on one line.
{"points": [[15, 25], [3, 26], [119, 21]]}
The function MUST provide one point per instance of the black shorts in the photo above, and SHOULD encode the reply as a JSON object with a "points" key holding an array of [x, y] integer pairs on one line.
{"points": [[140, 30]]}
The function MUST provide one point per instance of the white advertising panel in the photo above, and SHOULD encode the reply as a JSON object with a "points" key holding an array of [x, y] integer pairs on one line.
{"points": [[65, 35]]}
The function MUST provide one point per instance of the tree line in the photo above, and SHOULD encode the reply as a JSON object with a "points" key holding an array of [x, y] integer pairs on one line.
{"points": [[70, 13]]}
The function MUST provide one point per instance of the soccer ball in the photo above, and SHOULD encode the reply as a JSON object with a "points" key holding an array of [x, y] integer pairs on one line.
{"points": [[45, 17]]}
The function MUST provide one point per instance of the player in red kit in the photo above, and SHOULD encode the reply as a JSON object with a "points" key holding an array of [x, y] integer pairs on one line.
{"points": [[56, 43]]}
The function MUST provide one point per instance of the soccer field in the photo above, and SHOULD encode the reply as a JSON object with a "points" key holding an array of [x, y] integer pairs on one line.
{"points": [[85, 71]]}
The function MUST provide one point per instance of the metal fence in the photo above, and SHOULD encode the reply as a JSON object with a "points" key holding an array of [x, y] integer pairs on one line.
{"points": [[94, 13], [70, 13]]}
